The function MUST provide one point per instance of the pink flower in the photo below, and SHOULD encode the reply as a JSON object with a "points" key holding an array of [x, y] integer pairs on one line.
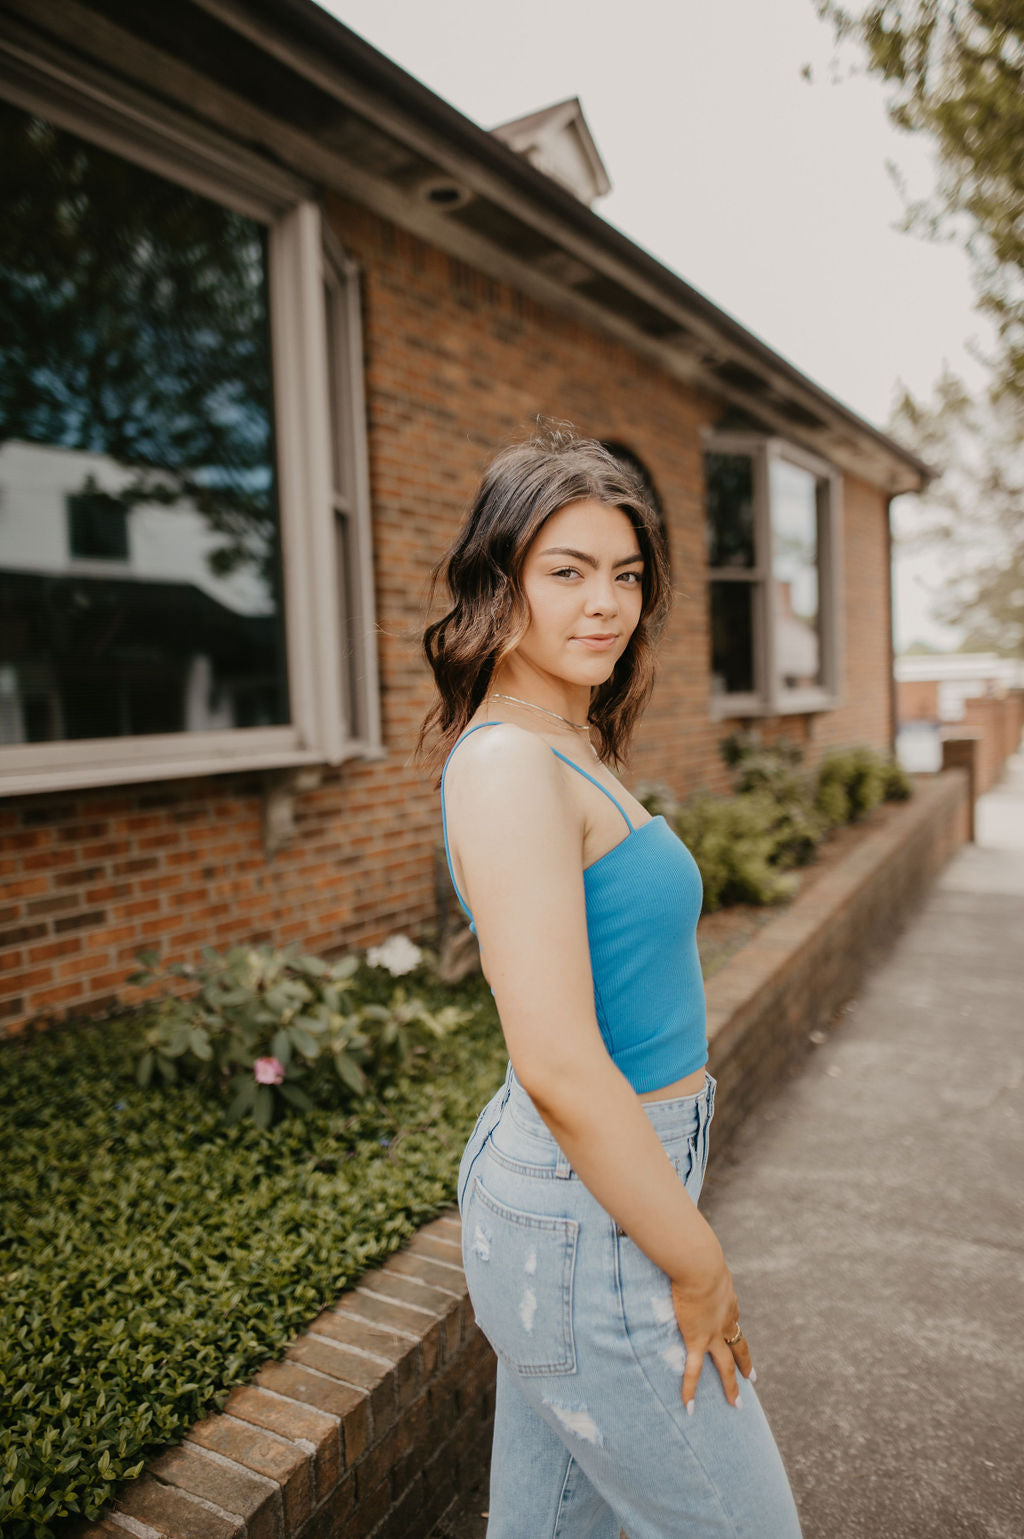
{"points": [[268, 1071]]}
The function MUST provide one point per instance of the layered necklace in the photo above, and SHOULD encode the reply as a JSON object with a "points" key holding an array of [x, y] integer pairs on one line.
{"points": [[577, 726]]}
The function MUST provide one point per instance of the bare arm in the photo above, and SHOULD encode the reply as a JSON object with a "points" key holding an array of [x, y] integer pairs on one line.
{"points": [[519, 844]]}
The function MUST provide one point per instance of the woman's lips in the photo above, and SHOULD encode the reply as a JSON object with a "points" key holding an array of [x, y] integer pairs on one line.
{"points": [[596, 643]]}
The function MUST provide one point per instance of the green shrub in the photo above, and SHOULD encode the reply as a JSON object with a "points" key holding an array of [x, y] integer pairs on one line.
{"points": [[743, 750], [899, 787], [778, 816], [852, 781], [154, 1255], [261, 1022], [796, 826], [733, 840]]}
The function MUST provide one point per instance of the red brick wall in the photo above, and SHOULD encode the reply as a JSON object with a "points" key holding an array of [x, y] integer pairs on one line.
{"points": [[456, 363], [917, 700], [996, 717]]}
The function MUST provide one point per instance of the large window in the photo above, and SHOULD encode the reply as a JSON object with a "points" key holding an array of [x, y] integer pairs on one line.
{"points": [[184, 532], [773, 531]]}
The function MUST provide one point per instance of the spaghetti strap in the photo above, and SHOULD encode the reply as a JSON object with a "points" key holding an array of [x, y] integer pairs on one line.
{"points": [[444, 816], [573, 765]]}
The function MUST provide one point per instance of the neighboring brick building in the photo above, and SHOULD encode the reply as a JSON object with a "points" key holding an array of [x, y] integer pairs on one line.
{"points": [[429, 294]]}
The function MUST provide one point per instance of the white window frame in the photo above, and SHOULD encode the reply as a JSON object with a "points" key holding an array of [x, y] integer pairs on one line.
{"points": [[330, 633], [769, 697]]}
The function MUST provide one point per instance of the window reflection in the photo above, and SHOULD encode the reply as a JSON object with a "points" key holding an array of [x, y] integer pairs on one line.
{"points": [[732, 637], [730, 503], [794, 516], [139, 542]]}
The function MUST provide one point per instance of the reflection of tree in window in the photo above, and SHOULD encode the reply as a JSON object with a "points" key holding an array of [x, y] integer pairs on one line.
{"points": [[729, 480], [730, 505], [134, 386]]}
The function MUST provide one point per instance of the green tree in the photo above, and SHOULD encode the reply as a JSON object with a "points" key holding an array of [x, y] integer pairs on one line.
{"points": [[954, 70], [973, 516]]}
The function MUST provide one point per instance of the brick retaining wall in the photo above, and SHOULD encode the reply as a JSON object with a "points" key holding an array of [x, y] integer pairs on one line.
{"points": [[380, 1413]]}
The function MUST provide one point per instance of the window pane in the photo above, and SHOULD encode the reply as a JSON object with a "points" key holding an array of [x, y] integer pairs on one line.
{"points": [[794, 516], [139, 573], [97, 526], [730, 492], [732, 637]]}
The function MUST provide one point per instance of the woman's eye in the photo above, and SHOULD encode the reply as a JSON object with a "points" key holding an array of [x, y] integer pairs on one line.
{"points": [[566, 571], [634, 577]]}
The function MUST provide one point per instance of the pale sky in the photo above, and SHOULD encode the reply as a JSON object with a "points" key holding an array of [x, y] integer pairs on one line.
{"points": [[769, 193]]}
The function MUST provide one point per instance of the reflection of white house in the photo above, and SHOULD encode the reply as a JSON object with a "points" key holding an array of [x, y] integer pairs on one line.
{"points": [[136, 630], [797, 645], [168, 544]]}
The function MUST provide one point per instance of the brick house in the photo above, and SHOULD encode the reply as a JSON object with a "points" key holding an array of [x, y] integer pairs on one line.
{"points": [[272, 304]]}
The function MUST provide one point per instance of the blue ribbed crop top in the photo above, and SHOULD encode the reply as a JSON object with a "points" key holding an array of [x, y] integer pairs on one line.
{"points": [[643, 900]]}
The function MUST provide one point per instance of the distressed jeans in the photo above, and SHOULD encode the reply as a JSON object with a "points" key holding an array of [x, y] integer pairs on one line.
{"points": [[590, 1432]]}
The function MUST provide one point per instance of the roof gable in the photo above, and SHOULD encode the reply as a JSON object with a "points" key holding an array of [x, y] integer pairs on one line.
{"points": [[558, 142]]}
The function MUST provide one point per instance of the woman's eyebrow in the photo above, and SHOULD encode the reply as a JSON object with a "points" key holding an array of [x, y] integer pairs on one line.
{"points": [[581, 555]]}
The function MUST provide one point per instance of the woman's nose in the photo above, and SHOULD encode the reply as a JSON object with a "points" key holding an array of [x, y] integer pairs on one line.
{"points": [[602, 596]]}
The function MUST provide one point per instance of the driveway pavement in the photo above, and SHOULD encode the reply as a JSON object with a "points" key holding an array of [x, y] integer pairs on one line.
{"points": [[872, 1212]]}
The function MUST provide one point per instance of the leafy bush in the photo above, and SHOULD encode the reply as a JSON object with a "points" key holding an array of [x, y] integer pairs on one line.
{"points": [[155, 1255], [851, 781], [777, 817], [742, 750], [262, 1021], [774, 771], [898, 785], [732, 839]]}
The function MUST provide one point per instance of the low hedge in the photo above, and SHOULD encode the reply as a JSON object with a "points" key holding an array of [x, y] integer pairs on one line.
{"points": [[156, 1254], [746, 845]]}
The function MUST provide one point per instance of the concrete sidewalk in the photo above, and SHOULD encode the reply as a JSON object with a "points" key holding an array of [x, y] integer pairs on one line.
{"points": [[873, 1215], [872, 1212]]}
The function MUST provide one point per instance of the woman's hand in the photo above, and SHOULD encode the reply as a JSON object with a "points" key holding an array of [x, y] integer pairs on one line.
{"points": [[706, 1315]]}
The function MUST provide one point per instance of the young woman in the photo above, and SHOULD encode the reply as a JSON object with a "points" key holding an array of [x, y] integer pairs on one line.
{"points": [[591, 1271]]}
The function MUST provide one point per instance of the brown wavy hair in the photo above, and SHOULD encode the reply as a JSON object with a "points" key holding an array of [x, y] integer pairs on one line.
{"points": [[489, 614]]}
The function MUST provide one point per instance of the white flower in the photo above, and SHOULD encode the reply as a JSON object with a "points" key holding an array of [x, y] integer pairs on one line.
{"points": [[398, 954]]}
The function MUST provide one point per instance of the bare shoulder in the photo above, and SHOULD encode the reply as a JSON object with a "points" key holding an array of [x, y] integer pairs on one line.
{"points": [[503, 758], [511, 822], [506, 766]]}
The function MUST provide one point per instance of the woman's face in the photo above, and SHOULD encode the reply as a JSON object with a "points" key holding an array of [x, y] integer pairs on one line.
{"points": [[583, 581]]}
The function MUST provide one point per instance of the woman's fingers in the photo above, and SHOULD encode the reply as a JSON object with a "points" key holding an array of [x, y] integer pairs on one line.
{"points": [[691, 1373], [723, 1359], [741, 1353], [726, 1346]]}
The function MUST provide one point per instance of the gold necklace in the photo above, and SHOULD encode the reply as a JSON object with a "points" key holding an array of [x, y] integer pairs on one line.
{"points": [[575, 725]]}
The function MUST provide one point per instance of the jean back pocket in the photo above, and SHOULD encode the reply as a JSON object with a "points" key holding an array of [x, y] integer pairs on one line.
{"points": [[519, 1268]]}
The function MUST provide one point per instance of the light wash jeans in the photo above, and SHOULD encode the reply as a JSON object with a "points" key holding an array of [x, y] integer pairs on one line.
{"points": [[590, 1432]]}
